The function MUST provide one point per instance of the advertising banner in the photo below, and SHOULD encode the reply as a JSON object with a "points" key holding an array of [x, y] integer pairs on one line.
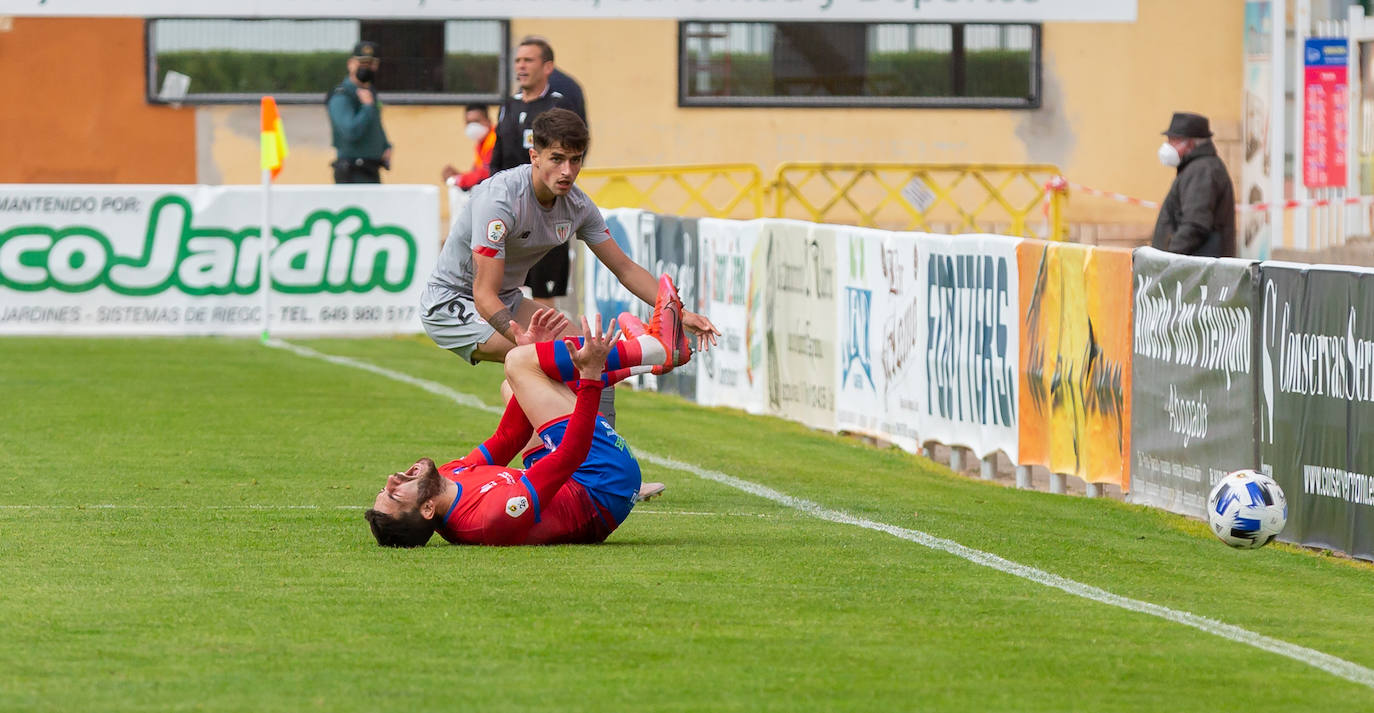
{"points": [[969, 341], [183, 260], [910, 10], [1075, 392], [1192, 382], [1326, 109], [900, 354], [1316, 393], [797, 260], [675, 252], [602, 293], [862, 312], [730, 373]]}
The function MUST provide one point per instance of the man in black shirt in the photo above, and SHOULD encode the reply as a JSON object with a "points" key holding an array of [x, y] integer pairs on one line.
{"points": [[514, 139]]}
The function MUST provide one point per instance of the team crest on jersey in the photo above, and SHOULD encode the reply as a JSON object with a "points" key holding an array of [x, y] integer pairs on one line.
{"points": [[496, 230], [563, 229], [516, 506]]}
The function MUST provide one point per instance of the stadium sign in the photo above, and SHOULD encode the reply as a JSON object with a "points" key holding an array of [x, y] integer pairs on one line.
{"points": [[187, 259], [778, 10]]}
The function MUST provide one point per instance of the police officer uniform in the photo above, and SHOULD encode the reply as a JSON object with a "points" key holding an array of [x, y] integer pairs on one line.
{"points": [[358, 135]]}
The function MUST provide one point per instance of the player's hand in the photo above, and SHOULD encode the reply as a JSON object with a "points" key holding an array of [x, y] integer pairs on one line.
{"points": [[365, 96], [546, 324], [698, 324], [386, 159], [448, 171], [590, 359]]}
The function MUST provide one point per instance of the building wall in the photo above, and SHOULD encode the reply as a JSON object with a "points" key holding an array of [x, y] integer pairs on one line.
{"points": [[1108, 91], [75, 110]]}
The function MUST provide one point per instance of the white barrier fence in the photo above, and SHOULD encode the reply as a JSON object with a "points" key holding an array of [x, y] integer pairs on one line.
{"points": [[171, 260]]}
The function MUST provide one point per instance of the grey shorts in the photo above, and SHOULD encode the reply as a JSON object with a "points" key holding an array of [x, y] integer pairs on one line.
{"points": [[454, 323]]}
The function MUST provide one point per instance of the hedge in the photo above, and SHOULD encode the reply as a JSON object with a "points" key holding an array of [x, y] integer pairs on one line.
{"points": [[235, 72]]}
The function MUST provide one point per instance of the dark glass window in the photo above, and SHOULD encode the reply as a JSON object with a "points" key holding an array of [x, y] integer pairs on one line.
{"points": [[232, 60], [858, 64]]}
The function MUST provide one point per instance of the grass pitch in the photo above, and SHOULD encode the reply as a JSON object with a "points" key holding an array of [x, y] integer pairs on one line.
{"points": [[181, 529]]}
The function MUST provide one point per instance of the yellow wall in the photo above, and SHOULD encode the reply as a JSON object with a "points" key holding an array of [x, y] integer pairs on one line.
{"points": [[1108, 91]]}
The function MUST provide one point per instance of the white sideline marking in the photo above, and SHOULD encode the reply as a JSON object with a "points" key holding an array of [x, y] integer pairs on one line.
{"points": [[1347, 670]]}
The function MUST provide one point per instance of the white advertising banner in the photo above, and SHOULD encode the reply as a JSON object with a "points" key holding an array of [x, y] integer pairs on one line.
{"points": [[969, 341], [899, 355], [799, 314], [185, 260], [730, 374], [861, 312], [788, 10]]}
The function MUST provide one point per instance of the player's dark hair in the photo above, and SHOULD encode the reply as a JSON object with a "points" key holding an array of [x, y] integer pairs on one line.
{"points": [[545, 50], [410, 529], [562, 127], [486, 111]]}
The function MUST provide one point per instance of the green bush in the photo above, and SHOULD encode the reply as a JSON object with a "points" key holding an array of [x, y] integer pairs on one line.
{"points": [[234, 72]]}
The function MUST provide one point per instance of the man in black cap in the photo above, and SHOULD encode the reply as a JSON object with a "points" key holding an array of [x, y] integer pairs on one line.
{"points": [[355, 117], [1199, 214]]}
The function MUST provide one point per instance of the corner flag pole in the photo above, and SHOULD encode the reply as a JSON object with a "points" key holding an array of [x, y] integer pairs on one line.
{"points": [[266, 243], [273, 155]]}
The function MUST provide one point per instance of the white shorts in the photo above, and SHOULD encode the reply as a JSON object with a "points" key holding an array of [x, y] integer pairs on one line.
{"points": [[454, 324]]}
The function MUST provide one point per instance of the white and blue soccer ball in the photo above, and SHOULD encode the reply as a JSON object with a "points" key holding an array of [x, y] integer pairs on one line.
{"points": [[1247, 509]]}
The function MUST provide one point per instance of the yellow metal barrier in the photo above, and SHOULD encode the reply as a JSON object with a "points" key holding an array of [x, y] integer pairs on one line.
{"points": [[732, 190], [939, 198]]}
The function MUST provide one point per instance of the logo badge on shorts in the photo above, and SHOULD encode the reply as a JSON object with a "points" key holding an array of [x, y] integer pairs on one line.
{"points": [[515, 507], [562, 229], [496, 230]]}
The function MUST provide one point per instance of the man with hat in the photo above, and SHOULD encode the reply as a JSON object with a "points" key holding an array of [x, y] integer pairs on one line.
{"points": [[1199, 214], [355, 118]]}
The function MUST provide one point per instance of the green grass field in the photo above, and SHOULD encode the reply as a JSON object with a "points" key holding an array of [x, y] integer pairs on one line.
{"points": [[181, 529]]}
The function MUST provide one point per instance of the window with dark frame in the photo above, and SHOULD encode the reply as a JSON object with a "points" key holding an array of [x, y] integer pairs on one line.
{"points": [[232, 60], [808, 64]]}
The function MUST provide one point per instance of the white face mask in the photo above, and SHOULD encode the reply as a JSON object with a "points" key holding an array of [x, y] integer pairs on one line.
{"points": [[475, 131], [1168, 155]]}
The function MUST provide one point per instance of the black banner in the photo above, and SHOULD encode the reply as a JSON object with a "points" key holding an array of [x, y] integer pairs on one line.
{"points": [[1316, 388], [1192, 375]]}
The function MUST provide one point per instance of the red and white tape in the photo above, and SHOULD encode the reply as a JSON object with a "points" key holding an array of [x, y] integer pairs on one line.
{"points": [[1059, 183]]}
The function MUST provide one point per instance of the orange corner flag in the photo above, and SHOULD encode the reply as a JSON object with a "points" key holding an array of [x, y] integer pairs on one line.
{"points": [[273, 137]]}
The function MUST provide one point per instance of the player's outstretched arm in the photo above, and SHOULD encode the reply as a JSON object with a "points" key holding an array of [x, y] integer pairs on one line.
{"points": [[549, 474], [645, 286], [590, 358]]}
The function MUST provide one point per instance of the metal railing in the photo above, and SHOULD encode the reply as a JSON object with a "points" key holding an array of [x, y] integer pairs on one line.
{"points": [[728, 190], [1008, 199]]}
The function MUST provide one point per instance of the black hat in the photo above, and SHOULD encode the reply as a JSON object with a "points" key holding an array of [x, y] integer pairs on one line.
{"points": [[1189, 126], [365, 50]]}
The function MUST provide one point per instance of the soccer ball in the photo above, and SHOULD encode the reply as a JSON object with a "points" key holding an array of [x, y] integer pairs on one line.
{"points": [[1247, 509]]}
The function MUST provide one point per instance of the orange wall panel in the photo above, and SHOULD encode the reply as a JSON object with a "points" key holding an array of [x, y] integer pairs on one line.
{"points": [[74, 109]]}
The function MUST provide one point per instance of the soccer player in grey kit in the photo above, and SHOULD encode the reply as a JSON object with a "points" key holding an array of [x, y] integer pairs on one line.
{"points": [[472, 305]]}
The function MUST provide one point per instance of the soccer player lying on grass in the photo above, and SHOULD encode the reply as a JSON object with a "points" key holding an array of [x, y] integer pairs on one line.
{"points": [[577, 486]]}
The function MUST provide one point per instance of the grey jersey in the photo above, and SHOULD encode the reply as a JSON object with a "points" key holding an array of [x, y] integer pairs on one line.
{"points": [[504, 220]]}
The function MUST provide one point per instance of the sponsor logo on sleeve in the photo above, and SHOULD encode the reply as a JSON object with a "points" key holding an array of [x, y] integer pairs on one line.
{"points": [[496, 231], [516, 506]]}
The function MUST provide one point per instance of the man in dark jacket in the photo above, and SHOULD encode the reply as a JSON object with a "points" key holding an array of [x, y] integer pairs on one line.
{"points": [[1199, 214], [355, 120]]}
